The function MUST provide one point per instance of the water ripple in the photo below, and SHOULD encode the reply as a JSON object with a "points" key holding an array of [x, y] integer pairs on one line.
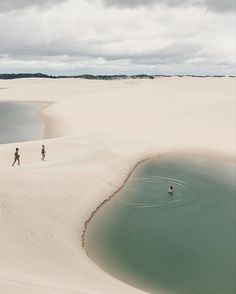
{"points": [[161, 196]]}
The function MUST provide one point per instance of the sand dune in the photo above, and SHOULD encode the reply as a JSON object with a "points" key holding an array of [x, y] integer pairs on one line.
{"points": [[96, 131]]}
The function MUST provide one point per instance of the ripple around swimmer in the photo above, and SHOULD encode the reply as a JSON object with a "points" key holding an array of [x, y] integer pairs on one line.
{"points": [[161, 197]]}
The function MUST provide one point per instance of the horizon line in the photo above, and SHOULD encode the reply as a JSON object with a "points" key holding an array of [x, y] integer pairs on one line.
{"points": [[100, 76]]}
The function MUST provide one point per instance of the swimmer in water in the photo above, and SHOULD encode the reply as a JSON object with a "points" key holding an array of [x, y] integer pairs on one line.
{"points": [[171, 189]]}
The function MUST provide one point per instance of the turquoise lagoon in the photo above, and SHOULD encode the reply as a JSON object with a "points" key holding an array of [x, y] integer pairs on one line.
{"points": [[184, 243]]}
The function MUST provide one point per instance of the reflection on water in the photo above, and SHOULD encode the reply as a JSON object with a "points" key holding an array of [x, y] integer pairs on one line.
{"points": [[19, 122], [184, 242]]}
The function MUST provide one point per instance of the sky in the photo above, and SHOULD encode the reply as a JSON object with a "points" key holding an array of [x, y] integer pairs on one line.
{"points": [[71, 37]]}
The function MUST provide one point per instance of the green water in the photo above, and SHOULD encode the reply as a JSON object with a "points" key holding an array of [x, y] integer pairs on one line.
{"points": [[19, 122], [183, 243]]}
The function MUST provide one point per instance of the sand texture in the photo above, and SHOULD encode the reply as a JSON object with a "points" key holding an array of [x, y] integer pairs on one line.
{"points": [[96, 131]]}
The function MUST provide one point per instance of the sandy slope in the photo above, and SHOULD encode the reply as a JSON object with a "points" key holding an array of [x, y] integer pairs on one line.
{"points": [[100, 129]]}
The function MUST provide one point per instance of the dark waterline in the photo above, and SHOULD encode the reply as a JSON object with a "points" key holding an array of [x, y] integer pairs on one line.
{"points": [[19, 122], [183, 243]]}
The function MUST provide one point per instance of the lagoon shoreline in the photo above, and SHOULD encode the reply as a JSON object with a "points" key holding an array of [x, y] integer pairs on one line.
{"points": [[88, 143]]}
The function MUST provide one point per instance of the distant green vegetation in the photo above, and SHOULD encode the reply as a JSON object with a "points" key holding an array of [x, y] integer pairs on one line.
{"points": [[86, 76], [93, 77]]}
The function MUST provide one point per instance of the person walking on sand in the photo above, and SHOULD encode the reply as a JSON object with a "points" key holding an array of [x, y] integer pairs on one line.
{"points": [[43, 152], [16, 157]]}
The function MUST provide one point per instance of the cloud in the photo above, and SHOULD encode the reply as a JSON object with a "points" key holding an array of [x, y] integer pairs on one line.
{"points": [[221, 5], [215, 5], [13, 5], [82, 37]]}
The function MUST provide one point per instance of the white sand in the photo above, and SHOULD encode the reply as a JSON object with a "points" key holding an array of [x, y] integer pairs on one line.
{"points": [[103, 128]]}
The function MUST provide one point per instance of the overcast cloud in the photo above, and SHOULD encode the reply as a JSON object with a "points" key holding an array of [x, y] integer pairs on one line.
{"points": [[13, 5], [76, 37], [216, 5]]}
